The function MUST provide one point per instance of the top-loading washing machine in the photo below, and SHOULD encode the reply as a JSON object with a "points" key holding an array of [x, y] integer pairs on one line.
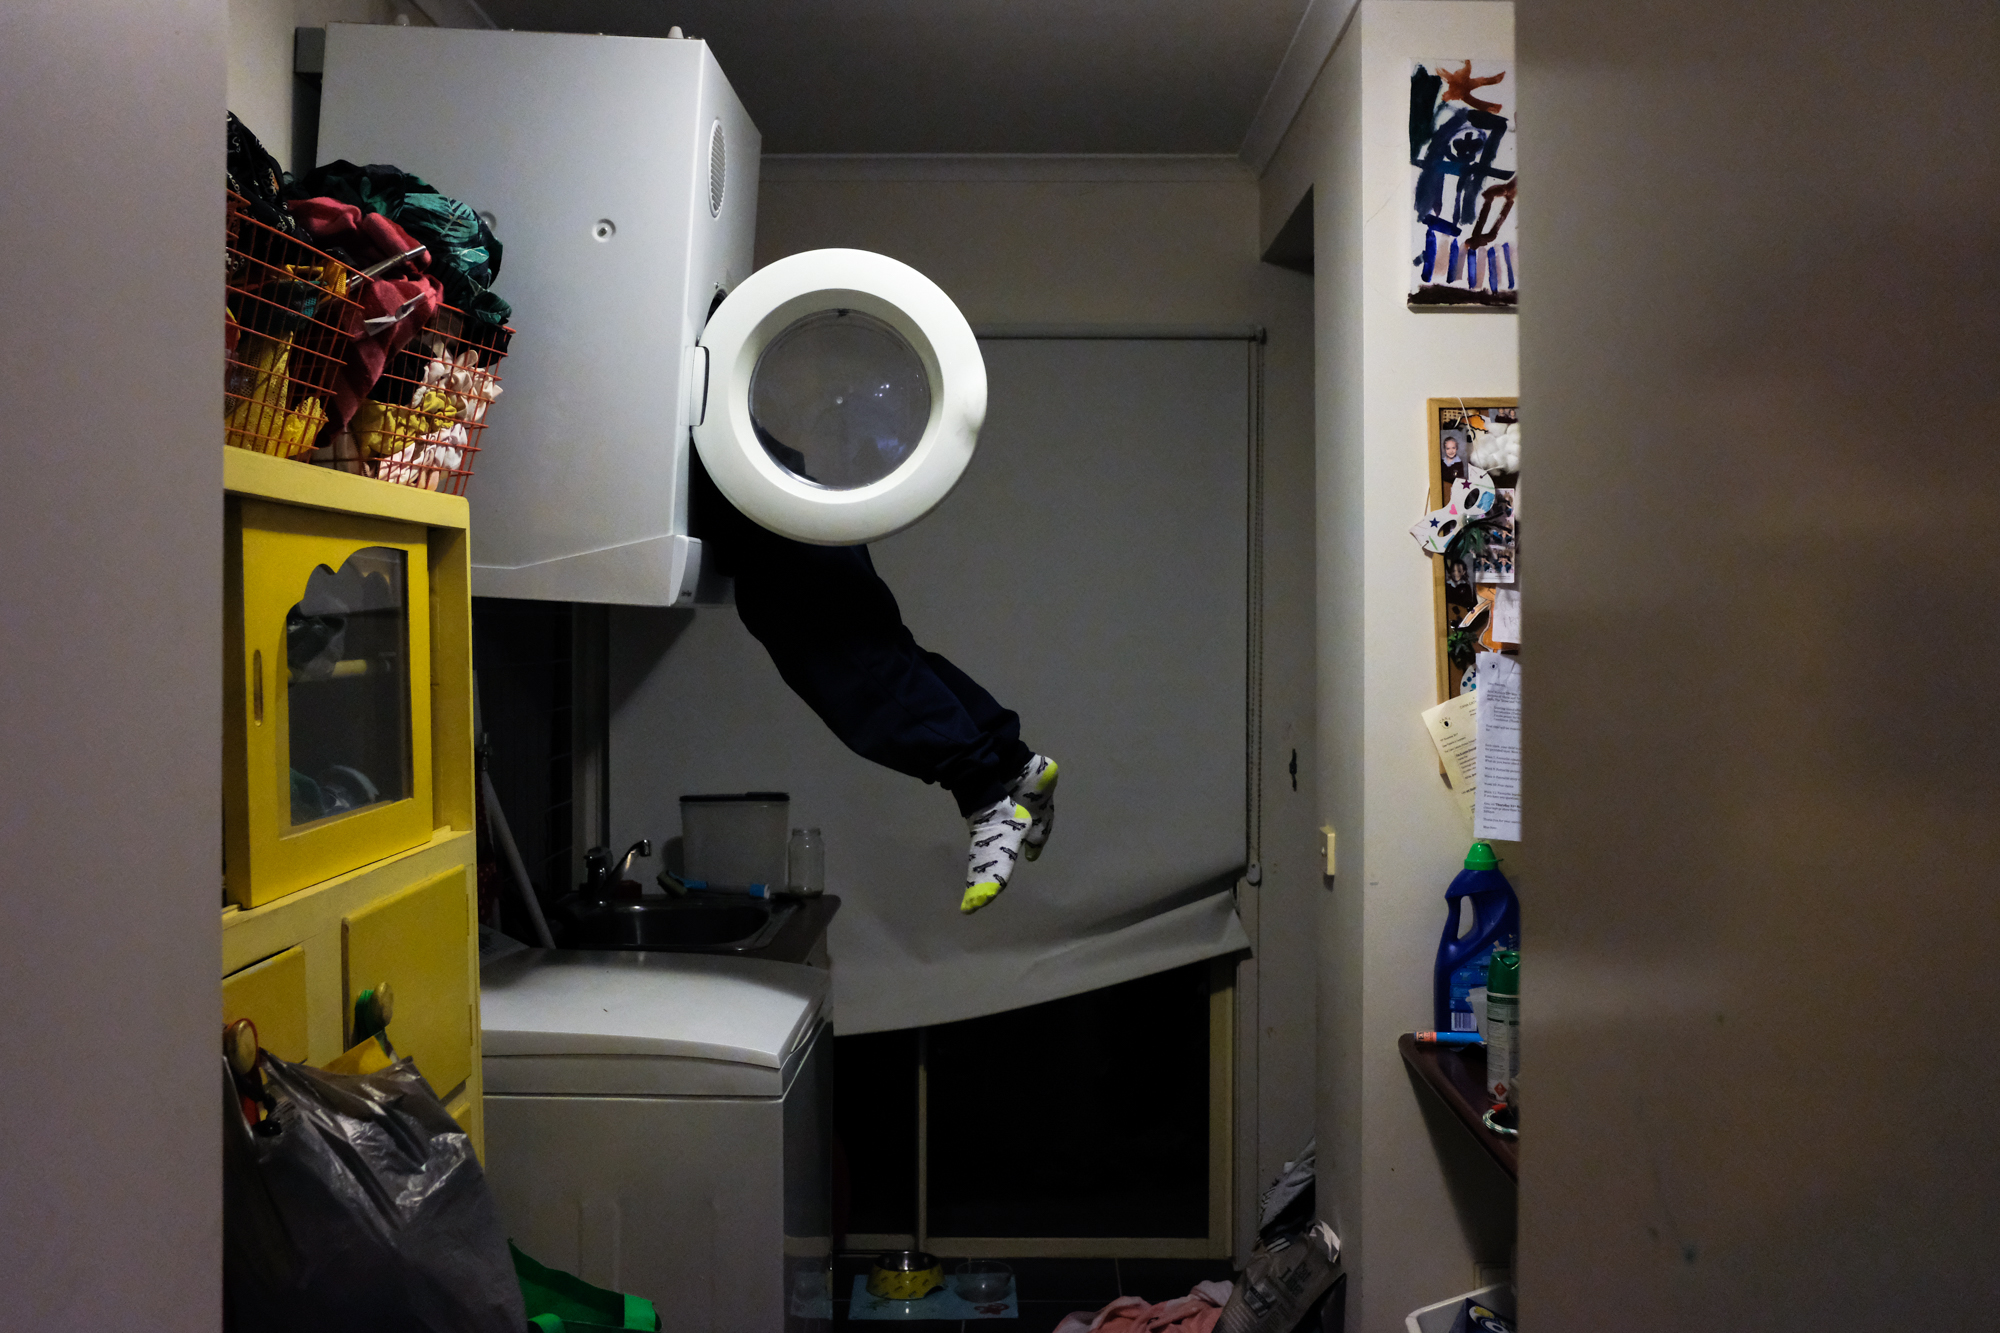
{"points": [[835, 396], [659, 1124]]}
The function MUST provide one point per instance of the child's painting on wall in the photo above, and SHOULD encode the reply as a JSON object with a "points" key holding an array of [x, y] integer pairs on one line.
{"points": [[1465, 256]]}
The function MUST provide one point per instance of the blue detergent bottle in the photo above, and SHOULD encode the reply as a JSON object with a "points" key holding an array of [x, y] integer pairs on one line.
{"points": [[1463, 954]]}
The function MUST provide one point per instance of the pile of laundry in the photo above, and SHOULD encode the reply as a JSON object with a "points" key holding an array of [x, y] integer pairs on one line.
{"points": [[382, 363], [1294, 1269], [1196, 1312]]}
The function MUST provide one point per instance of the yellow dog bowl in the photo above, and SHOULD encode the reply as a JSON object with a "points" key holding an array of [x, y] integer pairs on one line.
{"points": [[905, 1275]]}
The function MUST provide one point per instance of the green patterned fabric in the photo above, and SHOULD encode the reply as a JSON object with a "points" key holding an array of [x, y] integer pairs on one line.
{"points": [[465, 255]]}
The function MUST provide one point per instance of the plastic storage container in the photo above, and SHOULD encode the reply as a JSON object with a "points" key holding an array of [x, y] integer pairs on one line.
{"points": [[735, 840], [1438, 1318]]}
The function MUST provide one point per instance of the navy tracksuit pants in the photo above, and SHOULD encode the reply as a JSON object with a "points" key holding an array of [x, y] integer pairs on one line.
{"points": [[837, 637]]}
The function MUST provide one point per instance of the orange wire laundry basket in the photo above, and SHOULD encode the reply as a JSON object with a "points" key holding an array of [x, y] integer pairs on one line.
{"points": [[292, 318]]}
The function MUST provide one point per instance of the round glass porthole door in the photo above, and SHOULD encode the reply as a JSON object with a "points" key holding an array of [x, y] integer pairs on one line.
{"points": [[840, 399], [845, 396]]}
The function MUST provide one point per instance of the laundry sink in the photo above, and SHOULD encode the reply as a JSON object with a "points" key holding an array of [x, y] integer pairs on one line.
{"points": [[702, 923]]}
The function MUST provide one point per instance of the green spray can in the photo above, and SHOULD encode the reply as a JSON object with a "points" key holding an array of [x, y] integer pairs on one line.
{"points": [[1503, 1025]]}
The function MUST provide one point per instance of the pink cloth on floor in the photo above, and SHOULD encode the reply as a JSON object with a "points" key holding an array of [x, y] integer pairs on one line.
{"points": [[1195, 1312]]}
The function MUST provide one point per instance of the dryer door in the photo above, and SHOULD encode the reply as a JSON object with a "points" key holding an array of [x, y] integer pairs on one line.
{"points": [[845, 395]]}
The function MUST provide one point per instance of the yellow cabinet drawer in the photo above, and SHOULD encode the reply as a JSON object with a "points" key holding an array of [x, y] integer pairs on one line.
{"points": [[418, 942], [271, 994]]}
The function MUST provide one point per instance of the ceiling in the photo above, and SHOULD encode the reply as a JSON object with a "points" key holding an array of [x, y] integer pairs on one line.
{"points": [[970, 76]]}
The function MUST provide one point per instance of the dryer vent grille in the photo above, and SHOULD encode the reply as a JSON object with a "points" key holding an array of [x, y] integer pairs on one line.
{"points": [[718, 169]]}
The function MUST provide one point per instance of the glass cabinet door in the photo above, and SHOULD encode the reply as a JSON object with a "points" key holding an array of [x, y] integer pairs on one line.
{"points": [[842, 396], [347, 686], [330, 695]]}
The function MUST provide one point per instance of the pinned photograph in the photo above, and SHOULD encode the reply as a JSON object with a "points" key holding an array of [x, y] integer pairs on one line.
{"points": [[1454, 449], [1493, 558]]}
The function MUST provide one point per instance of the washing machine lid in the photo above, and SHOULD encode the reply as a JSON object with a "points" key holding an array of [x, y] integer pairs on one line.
{"points": [[666, 1006], [844, 396]]}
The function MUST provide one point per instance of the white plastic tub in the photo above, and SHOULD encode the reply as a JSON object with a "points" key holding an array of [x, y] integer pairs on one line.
{"points": [[1437, 1318]]}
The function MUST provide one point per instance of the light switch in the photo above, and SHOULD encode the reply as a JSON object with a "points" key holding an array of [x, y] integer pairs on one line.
{"points": [[1326, 848]]}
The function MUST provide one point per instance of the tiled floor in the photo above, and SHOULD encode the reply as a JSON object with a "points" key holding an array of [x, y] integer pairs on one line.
{"points": [[1048, 1289]]}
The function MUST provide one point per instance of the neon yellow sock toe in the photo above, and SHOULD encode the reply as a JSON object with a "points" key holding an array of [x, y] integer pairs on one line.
{"points": [[978, 895]]}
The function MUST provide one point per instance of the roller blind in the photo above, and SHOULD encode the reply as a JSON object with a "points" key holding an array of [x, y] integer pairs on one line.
{"points": [[1090, 572]]}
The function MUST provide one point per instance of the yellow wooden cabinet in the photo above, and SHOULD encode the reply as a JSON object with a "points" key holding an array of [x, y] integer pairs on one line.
{"points": [[349, 854]]}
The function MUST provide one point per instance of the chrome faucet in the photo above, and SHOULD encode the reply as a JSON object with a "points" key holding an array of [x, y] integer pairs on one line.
{"points": [[643, 847], [601, 877]]}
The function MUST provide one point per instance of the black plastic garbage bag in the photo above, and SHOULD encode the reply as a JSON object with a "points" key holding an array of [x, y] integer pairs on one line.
{"points": [[359, 1204]]}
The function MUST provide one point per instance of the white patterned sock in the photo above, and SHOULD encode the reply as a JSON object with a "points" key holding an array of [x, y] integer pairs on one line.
{"points": [[1036, 789], [997, 832]]}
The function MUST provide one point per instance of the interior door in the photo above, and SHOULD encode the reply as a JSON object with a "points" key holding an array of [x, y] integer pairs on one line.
{"points": [[844, 396]]}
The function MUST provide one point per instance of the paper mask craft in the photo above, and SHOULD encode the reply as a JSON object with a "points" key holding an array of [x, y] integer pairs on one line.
{"points": [[1471, 500]]}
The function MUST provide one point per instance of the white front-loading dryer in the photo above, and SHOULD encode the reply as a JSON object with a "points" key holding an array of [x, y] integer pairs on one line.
{"points": [[835, 395]]}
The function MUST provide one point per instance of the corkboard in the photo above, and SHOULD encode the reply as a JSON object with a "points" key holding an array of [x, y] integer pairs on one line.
{"points": [[1457, 420]]}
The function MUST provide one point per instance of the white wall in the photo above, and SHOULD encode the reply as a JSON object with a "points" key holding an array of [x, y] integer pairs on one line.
{"points": [[1759, 727], [263, 91], [1417, 1202], [1033, 240], [110, 697], [1071, 243]]}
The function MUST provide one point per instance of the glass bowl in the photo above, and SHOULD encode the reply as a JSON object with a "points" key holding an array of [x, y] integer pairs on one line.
{"points": [[981, 1281]]}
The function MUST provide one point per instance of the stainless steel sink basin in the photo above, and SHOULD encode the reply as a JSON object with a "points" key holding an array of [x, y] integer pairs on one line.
{"points": [[711, 923]]}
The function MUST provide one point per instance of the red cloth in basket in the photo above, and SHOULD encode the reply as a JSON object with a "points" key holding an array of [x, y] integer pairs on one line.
{"points": [[370, 238]]}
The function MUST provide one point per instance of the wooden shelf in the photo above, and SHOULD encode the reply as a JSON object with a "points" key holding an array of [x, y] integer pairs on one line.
{"points": [[1456, 1075]]}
